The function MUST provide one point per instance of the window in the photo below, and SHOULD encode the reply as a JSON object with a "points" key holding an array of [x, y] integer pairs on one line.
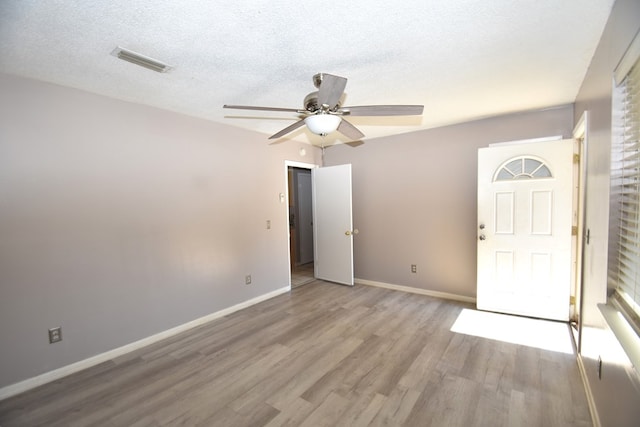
{"points": [[522, 168], [625, 175]]}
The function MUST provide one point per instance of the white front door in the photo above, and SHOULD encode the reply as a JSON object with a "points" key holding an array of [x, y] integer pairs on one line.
{"points": [[332, 224], [525, 199]]}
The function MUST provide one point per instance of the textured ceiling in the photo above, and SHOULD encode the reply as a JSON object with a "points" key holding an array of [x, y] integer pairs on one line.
{"points": [[462, 59]]}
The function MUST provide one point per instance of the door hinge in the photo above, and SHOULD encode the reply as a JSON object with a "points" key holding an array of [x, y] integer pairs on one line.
{"points": [[576, 158], [574, 230], [572, 300]]}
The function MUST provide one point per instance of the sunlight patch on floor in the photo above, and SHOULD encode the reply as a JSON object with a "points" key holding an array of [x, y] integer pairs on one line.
{"points": [[543, 334]]}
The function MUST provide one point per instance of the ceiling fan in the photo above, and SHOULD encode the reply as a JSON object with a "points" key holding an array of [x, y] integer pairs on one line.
{"points": [[324, 113]]}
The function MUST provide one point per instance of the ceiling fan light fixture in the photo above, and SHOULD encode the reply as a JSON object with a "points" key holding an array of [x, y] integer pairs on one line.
{"points": [[323, 124], [141, 60]]}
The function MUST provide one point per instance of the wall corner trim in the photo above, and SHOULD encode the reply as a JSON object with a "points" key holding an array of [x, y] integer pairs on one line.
{"points": [[420, 291], [30, 383]]}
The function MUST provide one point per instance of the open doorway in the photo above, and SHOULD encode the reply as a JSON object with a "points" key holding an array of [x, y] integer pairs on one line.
{"points": [[300, 210]]}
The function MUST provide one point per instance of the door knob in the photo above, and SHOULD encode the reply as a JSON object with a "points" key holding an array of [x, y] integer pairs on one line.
{"points": [[481, 226], [482, 237]]}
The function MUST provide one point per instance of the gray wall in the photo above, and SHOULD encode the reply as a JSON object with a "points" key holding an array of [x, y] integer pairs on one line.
{"points": [[119, 221], [597, 340], [414, 198]]}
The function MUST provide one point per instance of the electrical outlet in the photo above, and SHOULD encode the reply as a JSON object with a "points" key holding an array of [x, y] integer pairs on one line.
{"points": [[247, 279], [268, 224], [55, 334], [414, 268]]}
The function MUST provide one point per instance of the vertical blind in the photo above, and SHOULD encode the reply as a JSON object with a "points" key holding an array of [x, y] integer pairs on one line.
{"points": [[626, 175]]}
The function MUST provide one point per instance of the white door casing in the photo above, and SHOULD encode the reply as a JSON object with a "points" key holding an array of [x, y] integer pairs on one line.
{"points": [[524, 229], [285, 197], [332, 224]]}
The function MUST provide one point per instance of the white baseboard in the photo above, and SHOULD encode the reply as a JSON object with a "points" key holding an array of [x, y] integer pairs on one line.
{"points": [[595, 418], [443, 295], [28, 384]]}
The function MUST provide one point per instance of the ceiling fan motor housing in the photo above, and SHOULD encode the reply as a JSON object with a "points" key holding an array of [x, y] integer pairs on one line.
{"points": [[311, 104]]}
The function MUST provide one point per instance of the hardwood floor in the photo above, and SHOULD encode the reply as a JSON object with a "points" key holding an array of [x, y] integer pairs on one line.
{"points": [[301, 275], [322, 355]]}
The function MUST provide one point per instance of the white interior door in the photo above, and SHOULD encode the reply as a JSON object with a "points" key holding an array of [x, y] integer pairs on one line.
{"points": [[524, 229], [332, 224]]}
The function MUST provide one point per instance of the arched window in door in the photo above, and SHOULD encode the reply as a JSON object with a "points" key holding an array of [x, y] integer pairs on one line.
{"points": [[522, 167]]}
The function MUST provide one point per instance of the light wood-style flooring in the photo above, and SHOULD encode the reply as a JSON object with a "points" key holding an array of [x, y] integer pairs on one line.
{"points": [[321, 355], [301, 275]]}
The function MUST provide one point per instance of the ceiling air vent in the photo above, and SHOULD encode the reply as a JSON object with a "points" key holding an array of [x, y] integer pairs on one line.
{"points": [[141, 60]]}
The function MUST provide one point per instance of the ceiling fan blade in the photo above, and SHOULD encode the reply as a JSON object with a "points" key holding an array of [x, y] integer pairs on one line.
{"points": [[288, 129], [349, 130], [250, 107], [331, 89], [383, 110]]}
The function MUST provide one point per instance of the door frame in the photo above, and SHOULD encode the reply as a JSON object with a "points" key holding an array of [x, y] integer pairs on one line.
{"points": [[287, 165], [580, 134]]}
